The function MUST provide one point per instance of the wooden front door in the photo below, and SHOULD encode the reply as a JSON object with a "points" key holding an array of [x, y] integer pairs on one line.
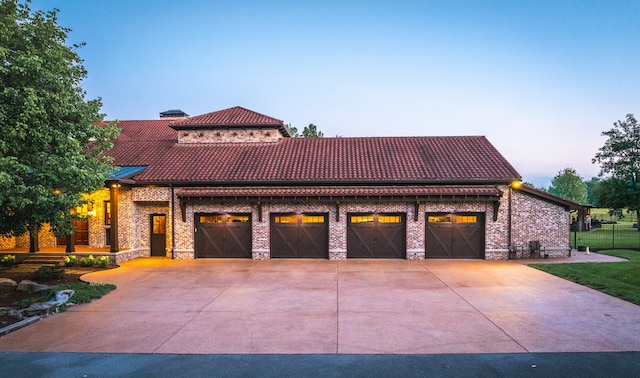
{"points": [[158, 235], [80, 236]]}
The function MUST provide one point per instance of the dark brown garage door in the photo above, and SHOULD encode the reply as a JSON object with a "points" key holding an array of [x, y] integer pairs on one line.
{"points": [[299, 235], [455, 236], [376, 236], [223, 235]]}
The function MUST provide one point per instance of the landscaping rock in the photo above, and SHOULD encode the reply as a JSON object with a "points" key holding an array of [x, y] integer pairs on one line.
{"points": [[31, 286], [7, 284]]}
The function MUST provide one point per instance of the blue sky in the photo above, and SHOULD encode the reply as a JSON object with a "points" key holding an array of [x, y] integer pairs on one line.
{"points": [[541, 79]]}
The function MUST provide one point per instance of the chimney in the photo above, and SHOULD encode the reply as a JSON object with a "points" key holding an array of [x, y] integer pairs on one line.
{"points": [[173, 114]]}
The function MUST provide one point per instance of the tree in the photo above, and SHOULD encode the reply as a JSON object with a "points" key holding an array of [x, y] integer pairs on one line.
{"points": [[568, 184], [619, 160], [51, 145], [591, 185], [310, 131]]}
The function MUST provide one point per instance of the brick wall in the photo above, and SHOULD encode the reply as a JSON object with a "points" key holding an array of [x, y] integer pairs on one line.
{"points": [[535, 219], [230, 136]]}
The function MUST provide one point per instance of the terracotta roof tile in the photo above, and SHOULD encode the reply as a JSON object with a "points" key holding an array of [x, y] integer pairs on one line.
{"points": [[319, 160], [344, 191], [236, 116]]}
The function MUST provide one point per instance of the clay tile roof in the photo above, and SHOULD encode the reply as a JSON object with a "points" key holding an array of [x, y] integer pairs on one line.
{"points": [[236, 116], [387, 160], [350, 191], [147, 130]]}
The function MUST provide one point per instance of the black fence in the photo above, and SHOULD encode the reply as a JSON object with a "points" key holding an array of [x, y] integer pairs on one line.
{"points": [[608, 236]]}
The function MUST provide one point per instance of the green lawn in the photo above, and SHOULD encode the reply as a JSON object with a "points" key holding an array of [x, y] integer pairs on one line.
{"points": [[608, 237], [619, 279]]}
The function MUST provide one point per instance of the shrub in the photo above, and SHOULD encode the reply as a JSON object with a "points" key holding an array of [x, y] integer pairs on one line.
{"points": [[70, 260], [102, 261], [49, 272], [87, 261], [8, 260]]}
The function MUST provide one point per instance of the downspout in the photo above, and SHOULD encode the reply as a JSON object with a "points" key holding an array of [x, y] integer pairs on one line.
{"points": [[173, 223]]}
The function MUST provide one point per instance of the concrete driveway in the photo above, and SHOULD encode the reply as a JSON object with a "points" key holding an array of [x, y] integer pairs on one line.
{"points": [[319, 306]]}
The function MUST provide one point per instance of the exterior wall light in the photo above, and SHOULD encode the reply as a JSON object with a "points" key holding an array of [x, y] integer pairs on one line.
{"points": [[516, 184]]}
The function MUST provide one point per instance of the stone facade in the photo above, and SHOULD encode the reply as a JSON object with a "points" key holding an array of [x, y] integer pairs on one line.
{"points": [[531, 219], [234, 135]]}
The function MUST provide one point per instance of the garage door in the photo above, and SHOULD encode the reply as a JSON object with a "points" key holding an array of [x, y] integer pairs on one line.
{"points": [[299, 235], [456, 236], [223, 235], [376, 236]]}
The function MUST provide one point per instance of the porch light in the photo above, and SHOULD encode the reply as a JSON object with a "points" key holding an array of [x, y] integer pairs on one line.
{"points": [[516, 184]]}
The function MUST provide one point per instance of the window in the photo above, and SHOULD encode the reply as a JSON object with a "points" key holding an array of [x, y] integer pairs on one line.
{"points": [[286, 219], [237, 219], [107, 213], [107, 236], [211, 218], [159, 224], [313, 219], [389, 219], [439, 219], [362, 219], [466, 219]]}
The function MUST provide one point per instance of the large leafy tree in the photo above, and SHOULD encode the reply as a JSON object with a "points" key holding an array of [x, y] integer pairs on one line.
{"points": [[619, 161], [568, 184], [51, 145]]}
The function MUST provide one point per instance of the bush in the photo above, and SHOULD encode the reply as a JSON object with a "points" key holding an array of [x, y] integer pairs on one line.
{"points": [[49, 272], [8, 261], [87, 261], [102, 261], [70, 260]]}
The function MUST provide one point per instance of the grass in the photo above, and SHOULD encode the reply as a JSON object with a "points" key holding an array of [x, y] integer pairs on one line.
{"points": [[609, 237], [619, 279], [84, 293]]}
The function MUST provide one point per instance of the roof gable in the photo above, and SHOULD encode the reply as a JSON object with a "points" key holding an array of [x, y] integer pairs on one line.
{"points": [[231, 117]]}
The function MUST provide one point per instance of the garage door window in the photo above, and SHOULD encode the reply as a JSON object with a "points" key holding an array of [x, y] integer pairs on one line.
{"points": [[238, 219], [286, 219], [466, 219], [362, 219], [439, 219], [211, 218], [389, 219], [313, 219]]}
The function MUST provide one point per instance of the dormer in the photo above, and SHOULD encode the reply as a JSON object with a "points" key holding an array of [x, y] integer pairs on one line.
{"points": [[233, 125]]}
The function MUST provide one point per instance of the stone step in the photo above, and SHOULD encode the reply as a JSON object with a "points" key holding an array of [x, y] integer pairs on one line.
{"points": [[44, 260]]}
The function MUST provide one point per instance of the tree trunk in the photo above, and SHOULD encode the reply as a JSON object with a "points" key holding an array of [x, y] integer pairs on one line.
{"points": [[33, 240], [638, 219]]}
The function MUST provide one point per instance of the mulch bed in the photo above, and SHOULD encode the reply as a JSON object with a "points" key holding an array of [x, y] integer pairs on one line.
{"points": [[26, 272]]}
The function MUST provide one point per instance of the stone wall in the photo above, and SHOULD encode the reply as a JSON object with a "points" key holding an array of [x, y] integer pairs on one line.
{"points": [[233, 135]]}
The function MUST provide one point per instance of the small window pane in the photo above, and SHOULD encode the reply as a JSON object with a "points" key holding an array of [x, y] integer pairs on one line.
{"points": [[107, 213], [389, 219], [466, 219], [237, 219], [313, 219], [439, 219], [159, 225], [286, 219], [362, 219], [211, 218]]}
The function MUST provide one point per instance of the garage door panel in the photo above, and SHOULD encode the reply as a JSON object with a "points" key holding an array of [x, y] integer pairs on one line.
{"points": [[454, 236], [376, 236], [299, 236], [223, 235]]}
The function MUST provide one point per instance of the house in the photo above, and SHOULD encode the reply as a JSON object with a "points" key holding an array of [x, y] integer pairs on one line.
{"points": [[234, 183]]}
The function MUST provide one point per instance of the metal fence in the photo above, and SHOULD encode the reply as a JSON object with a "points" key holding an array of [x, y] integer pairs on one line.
{"points": [[608, 236]]}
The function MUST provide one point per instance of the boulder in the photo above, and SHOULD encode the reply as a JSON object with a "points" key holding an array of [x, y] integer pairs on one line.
{"points": [[7, 284], [31, 286]]}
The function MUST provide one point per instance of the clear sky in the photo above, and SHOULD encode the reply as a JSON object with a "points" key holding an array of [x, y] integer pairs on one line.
{"points": [[541, 79]]}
